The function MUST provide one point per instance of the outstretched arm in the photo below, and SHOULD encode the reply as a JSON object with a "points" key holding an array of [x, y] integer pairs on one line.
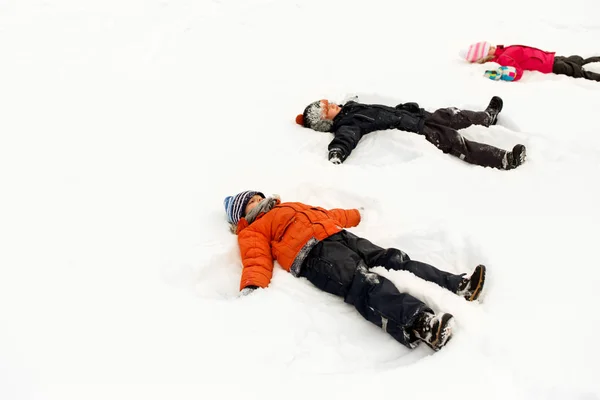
{"points": [[509, 70], [345, 140], [255, 250], [345, 218]]}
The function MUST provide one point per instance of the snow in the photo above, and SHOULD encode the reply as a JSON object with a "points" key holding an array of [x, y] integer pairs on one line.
{"points": [[124, 125]]}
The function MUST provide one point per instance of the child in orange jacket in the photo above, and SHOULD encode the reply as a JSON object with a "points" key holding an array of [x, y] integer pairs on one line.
{"points": [[515, 59], [311, 242]]}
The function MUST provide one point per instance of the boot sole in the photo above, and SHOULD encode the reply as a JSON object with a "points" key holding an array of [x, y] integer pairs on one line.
{"points": [[477, 290], [501, 104], [444, 333], [495, 119], [523, 156]]}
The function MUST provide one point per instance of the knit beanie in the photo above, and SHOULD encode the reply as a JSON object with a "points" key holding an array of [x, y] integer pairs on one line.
{"points": [[235, 206], [313, 118], [476, 51]]}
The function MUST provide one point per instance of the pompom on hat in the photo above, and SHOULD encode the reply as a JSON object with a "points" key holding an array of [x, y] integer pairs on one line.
{"points": [[235, 206], [476, 51]]}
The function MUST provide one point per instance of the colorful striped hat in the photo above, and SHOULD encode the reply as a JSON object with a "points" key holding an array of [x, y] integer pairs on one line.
{"points": [[235, 206], [476, 51]]}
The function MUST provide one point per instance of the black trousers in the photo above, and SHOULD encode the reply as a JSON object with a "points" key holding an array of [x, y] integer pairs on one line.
{"points": [[573, 66], [340, 265], [440, 128]]}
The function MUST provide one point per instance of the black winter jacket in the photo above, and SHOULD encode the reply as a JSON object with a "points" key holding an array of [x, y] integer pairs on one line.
{"points": [[356, 119]]}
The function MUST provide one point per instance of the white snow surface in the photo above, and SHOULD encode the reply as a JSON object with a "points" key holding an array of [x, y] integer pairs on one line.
{"points": [[124, 124]]}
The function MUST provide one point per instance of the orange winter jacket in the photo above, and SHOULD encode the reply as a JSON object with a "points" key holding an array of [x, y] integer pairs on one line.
{"points": [[286, 233]]}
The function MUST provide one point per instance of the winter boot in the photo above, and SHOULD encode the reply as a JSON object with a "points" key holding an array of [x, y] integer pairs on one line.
{"points": [[494, 108], [514, 158], [433, 329], [470, 288]]}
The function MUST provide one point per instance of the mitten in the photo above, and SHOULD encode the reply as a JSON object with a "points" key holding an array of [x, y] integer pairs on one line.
{"points": [[502, 73], [247, 290], [493, 74], [508, 73], [336, 156]]}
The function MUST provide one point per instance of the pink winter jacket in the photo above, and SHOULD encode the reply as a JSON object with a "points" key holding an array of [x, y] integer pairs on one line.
{"points": [[524, 58]]}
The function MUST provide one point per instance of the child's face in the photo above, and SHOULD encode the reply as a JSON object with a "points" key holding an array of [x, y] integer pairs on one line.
{"points": [[253, 203], [330, 110]]}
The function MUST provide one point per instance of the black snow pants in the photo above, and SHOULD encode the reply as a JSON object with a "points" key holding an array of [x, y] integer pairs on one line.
{"points": [[573, 66], [440, 129], [340, 265]]}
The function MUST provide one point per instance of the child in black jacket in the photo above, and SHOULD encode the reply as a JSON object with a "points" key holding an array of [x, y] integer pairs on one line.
{"points": [[353, 120]]}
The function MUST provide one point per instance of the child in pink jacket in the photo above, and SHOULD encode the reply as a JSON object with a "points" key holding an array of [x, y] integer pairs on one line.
{"points": [[515, 59]]}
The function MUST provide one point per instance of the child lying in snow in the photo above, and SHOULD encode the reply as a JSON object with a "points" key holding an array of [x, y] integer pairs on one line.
{"points": [[310, 242], [515, 59], [350, 122]]}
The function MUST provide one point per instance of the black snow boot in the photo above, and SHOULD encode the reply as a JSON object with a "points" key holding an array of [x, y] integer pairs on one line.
{"points": [[433, 329], [470, 288], [515, 157], [494, 108]]}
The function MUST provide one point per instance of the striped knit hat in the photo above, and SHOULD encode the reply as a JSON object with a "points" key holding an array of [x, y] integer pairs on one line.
{"points": [[235, 206], [476, 51]]}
